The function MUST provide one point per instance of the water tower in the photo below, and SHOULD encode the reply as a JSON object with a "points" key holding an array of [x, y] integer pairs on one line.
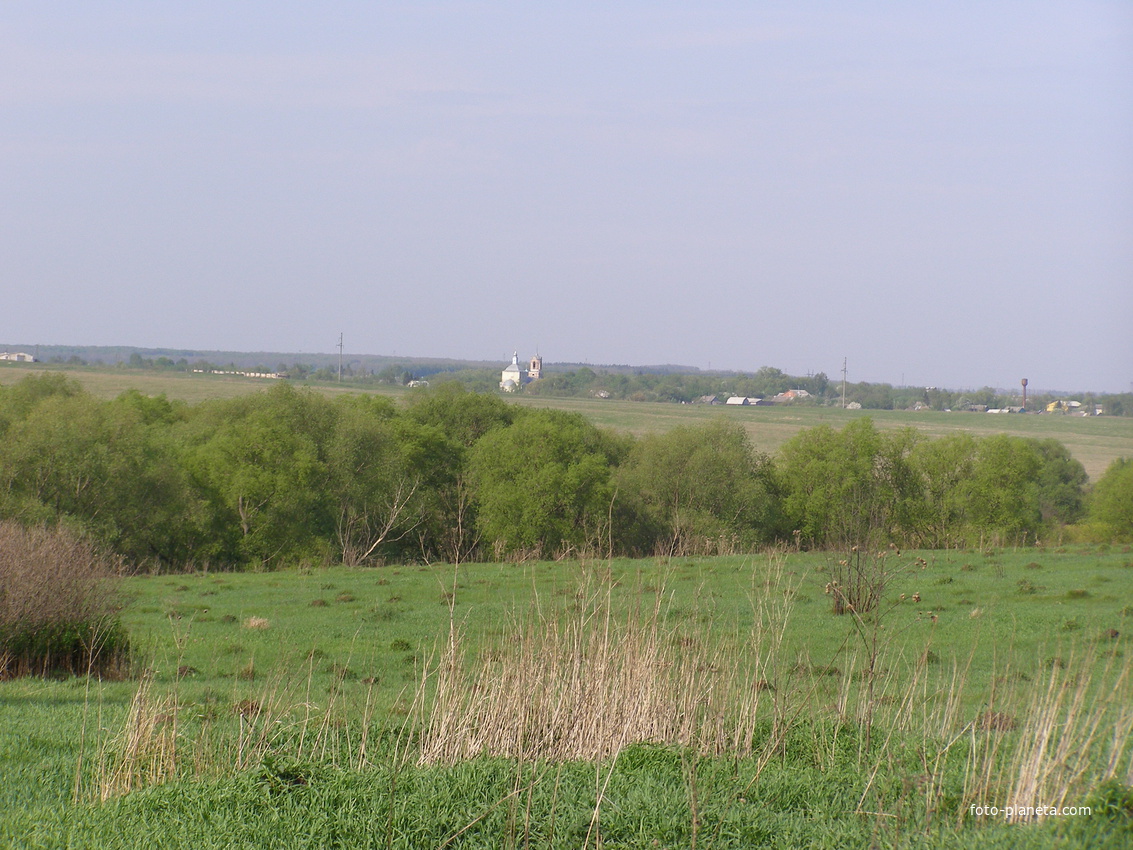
{"points": [[1024, 393]]}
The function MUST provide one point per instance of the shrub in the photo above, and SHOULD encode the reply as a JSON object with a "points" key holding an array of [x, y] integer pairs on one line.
{"points": [[858, 581], [1111, 502], [58, 605]]}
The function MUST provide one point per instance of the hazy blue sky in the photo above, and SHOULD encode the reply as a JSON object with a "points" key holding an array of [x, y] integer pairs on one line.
{"points": [[941, 193]]}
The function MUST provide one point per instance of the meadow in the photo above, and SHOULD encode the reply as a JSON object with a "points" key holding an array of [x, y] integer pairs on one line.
{"points": [[715, 702], [1095, 441], [676, 702]]}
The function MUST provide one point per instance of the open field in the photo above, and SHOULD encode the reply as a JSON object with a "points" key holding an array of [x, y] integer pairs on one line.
{"points": [[289, 707], [1095, 441], [188, 387]]}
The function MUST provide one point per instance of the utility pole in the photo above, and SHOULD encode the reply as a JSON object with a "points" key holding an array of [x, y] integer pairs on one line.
{"points": [[340, 358], [843, 383]]}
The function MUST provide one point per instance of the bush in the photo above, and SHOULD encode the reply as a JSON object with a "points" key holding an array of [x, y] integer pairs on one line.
{"points": [[58, 610], [1111, 502]]}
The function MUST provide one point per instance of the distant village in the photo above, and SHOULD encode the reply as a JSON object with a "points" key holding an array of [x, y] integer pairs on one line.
{"points": [[753, 401], [515, 376], [667, 384], [1058, 406]]}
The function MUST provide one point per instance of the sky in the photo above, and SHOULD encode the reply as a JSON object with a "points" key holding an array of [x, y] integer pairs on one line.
{"points": [[935, 194]]}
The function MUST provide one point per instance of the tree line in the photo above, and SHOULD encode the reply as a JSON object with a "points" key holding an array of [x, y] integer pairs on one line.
{"points": [[768, 381], [288, 476]]}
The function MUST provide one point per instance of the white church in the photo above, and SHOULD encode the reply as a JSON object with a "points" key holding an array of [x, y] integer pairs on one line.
{"points": [[513, 376]]}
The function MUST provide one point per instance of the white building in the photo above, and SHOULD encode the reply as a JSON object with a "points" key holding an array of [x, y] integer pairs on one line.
{"points": [[512, 376]]}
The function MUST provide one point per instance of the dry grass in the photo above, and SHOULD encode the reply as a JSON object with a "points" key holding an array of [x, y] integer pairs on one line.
{"points": [[586, 683], [1071, 726], [145, 752], [164, 738]]}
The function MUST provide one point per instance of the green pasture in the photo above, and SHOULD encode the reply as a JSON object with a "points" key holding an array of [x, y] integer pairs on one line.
{"points": [[1095, 441], [376, 627], [340, 653], [1019, 608]]}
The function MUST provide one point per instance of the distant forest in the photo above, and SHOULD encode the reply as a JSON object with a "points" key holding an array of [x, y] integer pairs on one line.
{"points": [[665, 383]]}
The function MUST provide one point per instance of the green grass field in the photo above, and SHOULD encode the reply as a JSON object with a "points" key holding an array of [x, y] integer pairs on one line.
{"points": [[287, 708], [1095, 441], [715, 702]]}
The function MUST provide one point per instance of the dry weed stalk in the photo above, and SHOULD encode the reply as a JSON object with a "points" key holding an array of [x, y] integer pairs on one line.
{"points": [[1049, 746], [1064, 731], [145, 752], [161, 738], [583, 685]]}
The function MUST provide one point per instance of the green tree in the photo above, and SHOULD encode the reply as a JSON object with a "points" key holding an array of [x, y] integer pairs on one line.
{"points": [[18, 400], [703, 488], [1002, 495], [818, 384], [101, 466], [999, 485], [769, 380], [263, 457], [543, 484], [945, 466], [385, 475], [463, 416], [1111, 501], [1060, 483], [851, 487], [451, 530], [153, 409]]}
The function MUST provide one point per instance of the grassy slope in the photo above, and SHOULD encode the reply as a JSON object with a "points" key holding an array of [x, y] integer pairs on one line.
{"points": [[367, 643], [1095, 441]]}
